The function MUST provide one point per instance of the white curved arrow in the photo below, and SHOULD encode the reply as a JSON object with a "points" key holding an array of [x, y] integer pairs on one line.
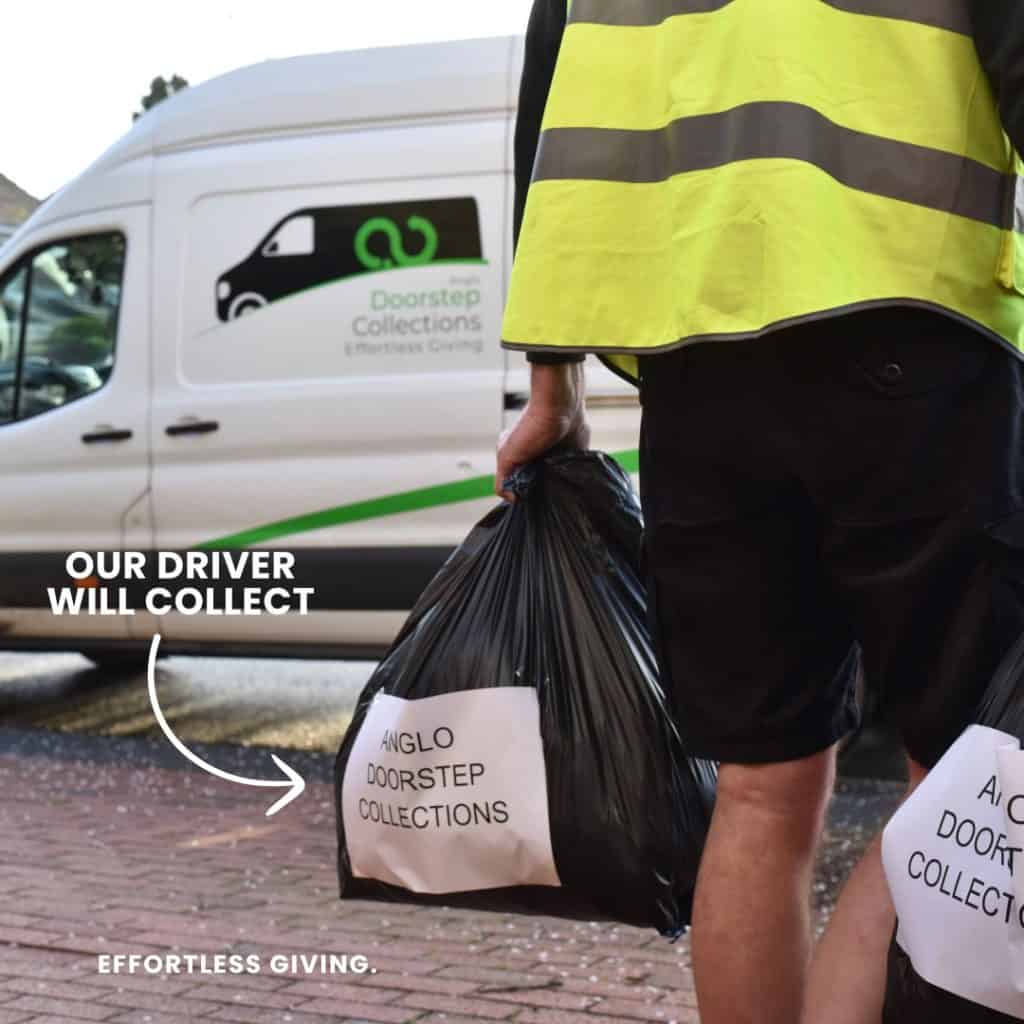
{"points": [[295, 782]]}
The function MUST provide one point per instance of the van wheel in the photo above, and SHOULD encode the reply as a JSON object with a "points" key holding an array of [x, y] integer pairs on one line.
{"points": [[119, 661], [247, 302]]}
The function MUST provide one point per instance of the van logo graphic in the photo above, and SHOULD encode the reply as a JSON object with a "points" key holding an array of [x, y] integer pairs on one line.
{"points": [[323, 245], [399, 257]]}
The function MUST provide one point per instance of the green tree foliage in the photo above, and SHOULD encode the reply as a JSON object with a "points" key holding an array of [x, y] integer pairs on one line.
{"points": [[159, 89], [94, 260], [83, 340]]}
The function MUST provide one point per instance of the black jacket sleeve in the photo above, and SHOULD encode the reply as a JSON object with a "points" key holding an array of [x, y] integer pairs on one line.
{"points": [[999, 38], [543, 41]]}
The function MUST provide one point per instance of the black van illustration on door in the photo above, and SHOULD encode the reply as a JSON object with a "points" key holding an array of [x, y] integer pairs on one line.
{"points": [[321, 245]]}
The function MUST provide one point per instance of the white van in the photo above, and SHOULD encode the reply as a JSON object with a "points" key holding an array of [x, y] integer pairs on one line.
{"points": [[269, 316]]}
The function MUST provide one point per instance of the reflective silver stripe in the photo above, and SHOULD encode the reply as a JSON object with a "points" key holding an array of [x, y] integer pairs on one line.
{"points": [[953, 15], [790, 131], [1017, 203], [637, 12]]}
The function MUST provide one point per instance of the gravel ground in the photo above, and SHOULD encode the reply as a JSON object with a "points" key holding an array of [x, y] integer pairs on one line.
{"points": [[859, 810]]}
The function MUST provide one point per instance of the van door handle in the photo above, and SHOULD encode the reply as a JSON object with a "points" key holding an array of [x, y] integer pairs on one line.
{"points": [[102, 434], [193, 427]]}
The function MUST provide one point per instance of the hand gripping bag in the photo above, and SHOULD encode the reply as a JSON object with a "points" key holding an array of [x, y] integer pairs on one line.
{"points": [[954, 856], [514, 750]]}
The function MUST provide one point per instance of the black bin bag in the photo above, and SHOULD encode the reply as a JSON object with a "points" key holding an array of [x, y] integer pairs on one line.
{"points": [[910, 998], [514, 750]]}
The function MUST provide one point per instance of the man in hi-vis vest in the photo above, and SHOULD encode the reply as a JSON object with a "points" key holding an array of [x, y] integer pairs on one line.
{"points": [[798, 227]]}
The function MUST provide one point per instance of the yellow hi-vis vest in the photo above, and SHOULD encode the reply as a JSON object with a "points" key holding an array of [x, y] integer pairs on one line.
{"points": [[714, 169]]}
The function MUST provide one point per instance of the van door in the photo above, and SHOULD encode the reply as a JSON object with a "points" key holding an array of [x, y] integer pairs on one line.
{"points": [[74, 394], [331, 379]]}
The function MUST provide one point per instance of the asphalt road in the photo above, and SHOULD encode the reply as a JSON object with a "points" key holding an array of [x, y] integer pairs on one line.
{"points": [[291, 704], [301, 705]]}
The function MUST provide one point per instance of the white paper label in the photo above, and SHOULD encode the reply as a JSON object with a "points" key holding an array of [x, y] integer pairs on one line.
{"points": [[449, 793], [1011, 783], [950, 862]]}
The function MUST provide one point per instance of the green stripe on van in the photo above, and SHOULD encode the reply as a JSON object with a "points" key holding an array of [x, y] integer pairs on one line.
{"points": [[629, 461], [374, 508]]}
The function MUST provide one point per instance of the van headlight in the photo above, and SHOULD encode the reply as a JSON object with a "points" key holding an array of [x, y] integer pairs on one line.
{"points": [[223, 290]]}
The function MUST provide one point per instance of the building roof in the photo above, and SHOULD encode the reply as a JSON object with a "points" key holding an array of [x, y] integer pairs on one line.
{"points": [[15, 203]]}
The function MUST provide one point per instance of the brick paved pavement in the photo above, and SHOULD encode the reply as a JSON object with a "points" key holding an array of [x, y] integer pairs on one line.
{"points": [[100, 858]]}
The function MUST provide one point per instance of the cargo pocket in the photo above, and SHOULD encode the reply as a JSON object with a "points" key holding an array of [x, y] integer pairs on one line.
{"points": [[917, 354], [913, 425]]}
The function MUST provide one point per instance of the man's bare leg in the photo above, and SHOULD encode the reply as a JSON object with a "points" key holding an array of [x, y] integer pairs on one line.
{"points": [[751, 918], [847, 983]]}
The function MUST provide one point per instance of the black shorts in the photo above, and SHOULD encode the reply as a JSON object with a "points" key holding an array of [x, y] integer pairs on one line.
{"points": [[844, 489]]}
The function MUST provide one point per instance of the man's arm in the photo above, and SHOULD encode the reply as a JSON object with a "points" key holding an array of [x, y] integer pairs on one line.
{"points": [[555, 416], [999, 38]]}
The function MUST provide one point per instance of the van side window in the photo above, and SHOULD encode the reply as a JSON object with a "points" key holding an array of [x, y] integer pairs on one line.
{"points": [[67, 352], [12, 302], [293, 238]]}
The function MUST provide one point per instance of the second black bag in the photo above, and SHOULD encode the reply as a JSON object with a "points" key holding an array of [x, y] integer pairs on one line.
{"points": [[514, 750], [910, 999]]}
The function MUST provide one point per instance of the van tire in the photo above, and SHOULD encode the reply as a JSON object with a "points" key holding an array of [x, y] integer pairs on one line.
{"points": [[119, 661], [247, 302]]}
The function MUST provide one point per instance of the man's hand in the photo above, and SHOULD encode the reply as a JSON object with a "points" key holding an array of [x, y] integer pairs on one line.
{"points": [[555, 417]]}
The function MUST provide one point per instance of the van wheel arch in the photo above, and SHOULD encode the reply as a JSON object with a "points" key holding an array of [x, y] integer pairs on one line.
{"points": [[247, 302], [120, 660]]}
